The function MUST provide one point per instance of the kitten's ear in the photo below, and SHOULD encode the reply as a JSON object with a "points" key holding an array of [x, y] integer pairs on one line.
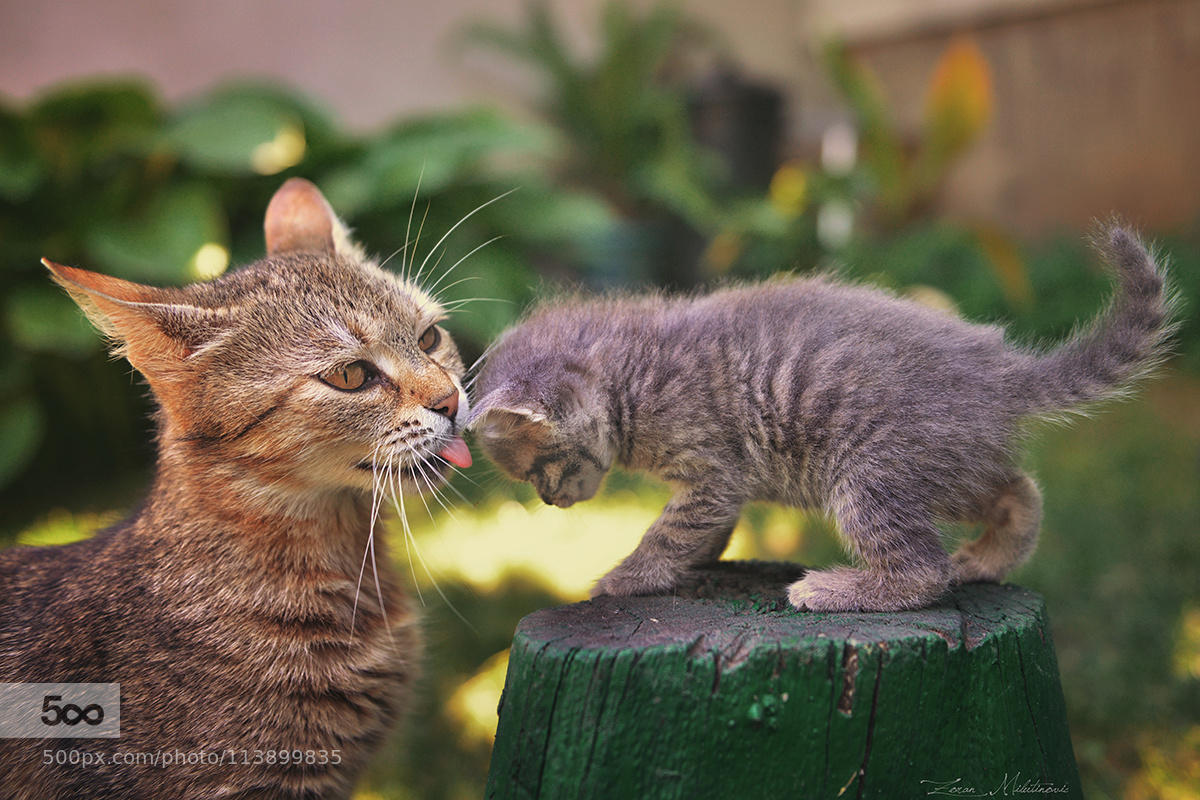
{"points": [[300, 220], [156, 329], [499, 411]]}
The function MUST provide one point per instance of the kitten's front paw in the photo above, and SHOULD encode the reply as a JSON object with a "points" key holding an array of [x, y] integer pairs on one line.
{"points": [[630, 581]]}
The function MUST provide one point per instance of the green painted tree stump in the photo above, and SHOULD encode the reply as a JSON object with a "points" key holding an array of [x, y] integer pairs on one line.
{"points": [[723, 691]]}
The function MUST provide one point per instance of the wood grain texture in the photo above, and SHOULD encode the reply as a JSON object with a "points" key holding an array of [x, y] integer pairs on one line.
{"points": [[723, 691]]}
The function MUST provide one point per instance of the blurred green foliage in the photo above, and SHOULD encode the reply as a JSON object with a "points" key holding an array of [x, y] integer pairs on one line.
{"points": [[624, 112], [902, 172]]}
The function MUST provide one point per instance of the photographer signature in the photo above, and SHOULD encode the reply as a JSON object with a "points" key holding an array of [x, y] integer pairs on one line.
{"points": [[1010, 786]]}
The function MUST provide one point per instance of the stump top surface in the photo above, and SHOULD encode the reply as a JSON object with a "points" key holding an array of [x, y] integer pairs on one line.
{"points": [[736, 606]]}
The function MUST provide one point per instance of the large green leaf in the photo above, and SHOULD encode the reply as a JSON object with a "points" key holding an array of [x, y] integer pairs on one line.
{"points": [[43, 319], [158, 244], [435, 152], [246, 129]]}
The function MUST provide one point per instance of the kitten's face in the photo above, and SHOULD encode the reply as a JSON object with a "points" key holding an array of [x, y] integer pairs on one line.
{"points": [[310, 370], [547, 432], [564, 467]]}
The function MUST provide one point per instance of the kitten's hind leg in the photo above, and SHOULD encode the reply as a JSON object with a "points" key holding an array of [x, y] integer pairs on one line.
{"points": [[693, 529], [898, 544], [1013, 518]]}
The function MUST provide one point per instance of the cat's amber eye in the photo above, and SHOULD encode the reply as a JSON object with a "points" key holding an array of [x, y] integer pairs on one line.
{"points": [[349, 378], [430, 339]]}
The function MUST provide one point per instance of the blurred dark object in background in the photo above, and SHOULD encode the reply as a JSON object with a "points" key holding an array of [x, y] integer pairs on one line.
{"points": [[741, 120]]}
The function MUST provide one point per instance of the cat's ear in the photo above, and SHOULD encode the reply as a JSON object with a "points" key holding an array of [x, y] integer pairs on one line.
{"points": [[156, 329], [300, 220]]}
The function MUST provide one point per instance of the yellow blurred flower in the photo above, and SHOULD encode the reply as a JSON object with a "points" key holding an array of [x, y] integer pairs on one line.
{"points": [[474, 704], [788, 191], [1187, 646], [208, 262], [285, 150]]}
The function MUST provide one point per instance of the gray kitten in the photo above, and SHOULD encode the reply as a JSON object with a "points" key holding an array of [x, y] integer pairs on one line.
{"points": [[888, 415]]}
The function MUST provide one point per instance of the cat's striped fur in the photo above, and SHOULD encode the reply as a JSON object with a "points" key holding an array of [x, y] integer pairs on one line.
{"points": [[887, 414], [224, 607]]}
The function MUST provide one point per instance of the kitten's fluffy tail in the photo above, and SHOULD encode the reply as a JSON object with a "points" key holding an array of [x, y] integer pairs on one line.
{"points": [[1124, 343]]}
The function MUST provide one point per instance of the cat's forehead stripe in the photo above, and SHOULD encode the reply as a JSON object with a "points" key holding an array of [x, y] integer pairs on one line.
{"points": [[346, 334]]}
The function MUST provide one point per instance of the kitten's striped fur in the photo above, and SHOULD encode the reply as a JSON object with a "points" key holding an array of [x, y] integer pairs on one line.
{"points": [[224, 607], [889, 415]]}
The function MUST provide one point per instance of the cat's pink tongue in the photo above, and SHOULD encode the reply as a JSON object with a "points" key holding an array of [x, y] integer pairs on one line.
{"points": [[456, 453]]}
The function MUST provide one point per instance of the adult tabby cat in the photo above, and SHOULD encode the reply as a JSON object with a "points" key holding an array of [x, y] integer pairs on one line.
{"points": [[289, 392], [886, 414]]}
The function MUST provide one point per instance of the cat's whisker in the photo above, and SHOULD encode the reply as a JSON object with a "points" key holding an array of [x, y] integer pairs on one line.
{"points": [[461, 260], [416, 279], [401, 249], [404, 261], [433, 269], [432, 490], [437, 296], [463, 300], [358, 590], [470, 382], [410, 278], [454, 227], [397, 492], [457, 305], [420, 495], [398, 501], [487, 351], [420, 464], [378, 589], [454, 489], [374, 566], [458, 472], [376, 501]]}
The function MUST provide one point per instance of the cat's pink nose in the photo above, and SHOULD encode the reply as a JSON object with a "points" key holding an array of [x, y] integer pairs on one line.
{"points": [[447, 406]]}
